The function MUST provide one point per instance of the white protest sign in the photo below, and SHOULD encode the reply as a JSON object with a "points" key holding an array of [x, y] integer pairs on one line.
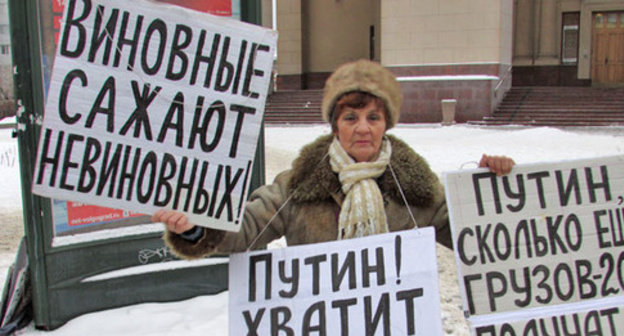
{"points": [[545, 240], [154, 106], [384, 284], [603, 317]]}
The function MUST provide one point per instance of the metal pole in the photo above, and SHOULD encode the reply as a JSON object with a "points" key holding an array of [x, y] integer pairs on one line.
{"points": [[28, 81], [251, 11]]}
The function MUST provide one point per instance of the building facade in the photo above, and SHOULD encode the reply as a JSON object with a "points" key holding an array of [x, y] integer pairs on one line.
{"points": [[6, 74], [569, 42], [469, 51]]}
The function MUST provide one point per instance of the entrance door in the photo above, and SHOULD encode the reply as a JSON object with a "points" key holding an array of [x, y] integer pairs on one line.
{"points": [[608, 48]]}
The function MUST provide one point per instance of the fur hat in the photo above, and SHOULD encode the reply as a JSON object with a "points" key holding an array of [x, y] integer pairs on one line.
{"points": [[367, 76]]}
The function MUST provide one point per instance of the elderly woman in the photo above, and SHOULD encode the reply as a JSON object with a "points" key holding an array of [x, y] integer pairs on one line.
{"points": [[355, 182]]}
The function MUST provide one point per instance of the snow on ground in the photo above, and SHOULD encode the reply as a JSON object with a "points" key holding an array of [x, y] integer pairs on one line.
{"points": [[445, 148]]}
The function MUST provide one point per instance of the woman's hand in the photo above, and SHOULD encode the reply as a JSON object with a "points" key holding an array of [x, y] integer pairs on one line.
{"points": [[176, 222], [500, 165]]}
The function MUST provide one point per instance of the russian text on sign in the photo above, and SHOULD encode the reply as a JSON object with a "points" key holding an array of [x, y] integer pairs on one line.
{"points": [[350, 287], [154, 106], [543, 237]]}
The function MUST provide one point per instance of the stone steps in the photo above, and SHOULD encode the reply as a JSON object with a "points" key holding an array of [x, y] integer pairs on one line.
{"points": [[294, 107], [559, 106]]}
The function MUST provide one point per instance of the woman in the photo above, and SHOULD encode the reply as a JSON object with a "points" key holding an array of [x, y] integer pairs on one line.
{"points": [[355, 182]]}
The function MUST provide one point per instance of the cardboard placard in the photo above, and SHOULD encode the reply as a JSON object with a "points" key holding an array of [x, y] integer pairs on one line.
{"points": [[543, 240], [154, 106], [383, 284]]}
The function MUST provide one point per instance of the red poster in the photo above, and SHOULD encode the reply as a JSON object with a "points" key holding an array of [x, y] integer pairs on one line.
{"points": [[57, 16], [83, 214], [215, 7]]}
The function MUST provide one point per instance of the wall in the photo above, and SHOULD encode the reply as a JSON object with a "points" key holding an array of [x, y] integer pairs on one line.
{"points": [[267, 13], [443, 31], [538, 30], [289, 64], [506, 28], [465, 45], [336, 32], [424, 87], [448, 49], [317, 36], [289, 43]]}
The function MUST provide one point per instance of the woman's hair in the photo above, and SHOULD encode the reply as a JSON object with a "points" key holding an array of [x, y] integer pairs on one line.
{"points": [[355, 100]]}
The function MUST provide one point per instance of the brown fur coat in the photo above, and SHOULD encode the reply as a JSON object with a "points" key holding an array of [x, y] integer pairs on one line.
{"points": [[313, 195]]}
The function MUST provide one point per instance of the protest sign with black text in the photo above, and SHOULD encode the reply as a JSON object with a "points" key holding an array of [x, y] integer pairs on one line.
{"points": [[154, 106], [544, 241], [383, 284]]}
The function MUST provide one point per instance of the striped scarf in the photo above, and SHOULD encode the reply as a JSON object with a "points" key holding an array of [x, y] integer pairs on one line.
{"points": [[362, 212]]}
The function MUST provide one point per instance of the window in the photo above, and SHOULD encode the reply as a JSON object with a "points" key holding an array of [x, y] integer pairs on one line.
{"points": [[5, 49], [599, 21], [612, 20], [569, 38]]}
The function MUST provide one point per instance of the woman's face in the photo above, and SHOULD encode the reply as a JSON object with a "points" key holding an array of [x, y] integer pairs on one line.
{"points": [[360, 131]]}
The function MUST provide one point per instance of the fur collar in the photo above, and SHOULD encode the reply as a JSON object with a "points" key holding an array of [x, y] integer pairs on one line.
{"points": [[313, 180]]}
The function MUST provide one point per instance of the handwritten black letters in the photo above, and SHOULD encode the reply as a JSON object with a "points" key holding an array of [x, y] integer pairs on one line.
{"points": [[352, 287], [154, 106], [543, 236]]}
